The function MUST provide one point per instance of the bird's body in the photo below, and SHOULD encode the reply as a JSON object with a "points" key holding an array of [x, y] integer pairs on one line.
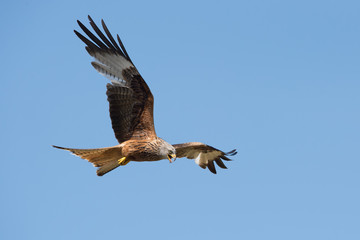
{"points": [[131, 106], [132, 150], [145, 150]]}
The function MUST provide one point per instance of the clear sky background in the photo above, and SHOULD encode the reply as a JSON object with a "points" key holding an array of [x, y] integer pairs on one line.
{"points": [[278, 80]]}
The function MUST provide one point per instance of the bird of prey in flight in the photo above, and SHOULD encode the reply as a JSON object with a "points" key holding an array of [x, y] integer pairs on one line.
{"points": [[131, 111]]}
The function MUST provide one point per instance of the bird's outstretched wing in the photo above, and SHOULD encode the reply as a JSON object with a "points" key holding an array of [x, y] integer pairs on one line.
{"points": [[204, 155], [130, 99]]}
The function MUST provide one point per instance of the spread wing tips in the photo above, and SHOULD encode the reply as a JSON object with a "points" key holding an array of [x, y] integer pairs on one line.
{"points": [[91, 36], [204, 155], [107, 43], [101, 35]]}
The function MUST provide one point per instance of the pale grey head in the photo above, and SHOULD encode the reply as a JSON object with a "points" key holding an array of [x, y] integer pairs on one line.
{"points": [[166, 150]]}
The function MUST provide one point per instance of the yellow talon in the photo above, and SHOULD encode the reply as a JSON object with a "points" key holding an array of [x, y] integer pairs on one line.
{"points": [[122, 161]]}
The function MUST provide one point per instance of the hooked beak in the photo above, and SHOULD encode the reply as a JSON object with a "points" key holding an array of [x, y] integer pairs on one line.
{"points": [[171, 156]]}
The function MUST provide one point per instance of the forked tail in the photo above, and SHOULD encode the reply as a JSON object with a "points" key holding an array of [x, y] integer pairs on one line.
{"points": [[107, 159]]}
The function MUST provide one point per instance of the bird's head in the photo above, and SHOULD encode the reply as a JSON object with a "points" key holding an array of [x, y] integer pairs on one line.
{"points": [[168, 151], [172, 155]]}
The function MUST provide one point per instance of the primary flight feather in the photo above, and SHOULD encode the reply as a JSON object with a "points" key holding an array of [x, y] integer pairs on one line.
{"points": [[131, 106]]}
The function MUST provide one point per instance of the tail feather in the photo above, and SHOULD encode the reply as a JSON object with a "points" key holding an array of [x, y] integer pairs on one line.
{"points": [[104, 158], [107, 168]]}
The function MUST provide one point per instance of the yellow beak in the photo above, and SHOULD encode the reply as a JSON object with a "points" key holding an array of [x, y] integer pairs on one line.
{"points": [[170, 156]]}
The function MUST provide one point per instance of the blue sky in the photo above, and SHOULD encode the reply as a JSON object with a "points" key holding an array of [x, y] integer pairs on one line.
{"points": [[278, 80]]}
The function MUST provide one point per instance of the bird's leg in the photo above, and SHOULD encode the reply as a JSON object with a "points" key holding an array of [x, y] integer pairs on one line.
{"points": [[123, 161]]}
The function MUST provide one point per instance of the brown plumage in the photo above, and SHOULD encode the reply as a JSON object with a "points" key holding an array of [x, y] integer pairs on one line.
{"points": [[131, 105]]}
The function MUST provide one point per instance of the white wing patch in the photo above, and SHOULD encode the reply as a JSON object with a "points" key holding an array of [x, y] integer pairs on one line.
{"points": [[111, 66], [203, 158], [109, 73], [198, 160], [112, 60]]}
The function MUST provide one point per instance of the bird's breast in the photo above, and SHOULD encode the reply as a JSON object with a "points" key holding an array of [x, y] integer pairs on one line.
{"points": [[141, 150]]}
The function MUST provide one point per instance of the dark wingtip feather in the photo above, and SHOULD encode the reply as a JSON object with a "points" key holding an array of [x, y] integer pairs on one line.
{"points": [[91, 35], [220, 163], [85, 40], [211, 167], [231, 153], [123, 48], [101, 35], [110, 36], [225, 158]]}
